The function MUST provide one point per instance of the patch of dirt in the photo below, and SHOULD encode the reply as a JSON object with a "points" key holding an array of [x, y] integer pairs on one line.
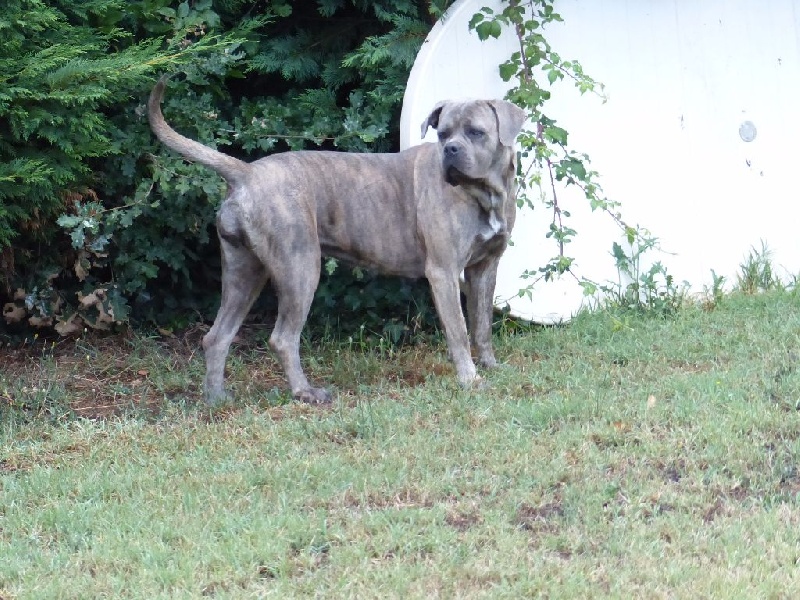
{"points": [[726, 501], [541, 518], [789, 483], [405, 498], [98, 376], [12, 465], [413, 375], [410, 367], [671, 471], [685, 366], [463, 519], [717, 509]]}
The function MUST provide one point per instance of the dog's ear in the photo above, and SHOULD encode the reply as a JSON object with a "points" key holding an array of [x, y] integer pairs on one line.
{"points": [[432, 119], [510, 119]]}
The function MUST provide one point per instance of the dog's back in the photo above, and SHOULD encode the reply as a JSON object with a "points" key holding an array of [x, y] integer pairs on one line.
{"points": [[363, 206]]}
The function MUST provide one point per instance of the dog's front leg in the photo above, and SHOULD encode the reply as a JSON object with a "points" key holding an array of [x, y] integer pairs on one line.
{"points": [[481, 280], [445, 288]]}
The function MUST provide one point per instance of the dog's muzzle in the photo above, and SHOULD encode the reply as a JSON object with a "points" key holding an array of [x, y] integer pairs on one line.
{"points": [[453, 156]]}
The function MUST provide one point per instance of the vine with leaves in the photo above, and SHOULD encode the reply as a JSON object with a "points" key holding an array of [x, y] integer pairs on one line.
{"points": [[552, 159]]}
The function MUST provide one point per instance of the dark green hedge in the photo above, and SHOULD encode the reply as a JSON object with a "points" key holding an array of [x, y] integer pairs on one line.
{"points": [[101, 226]]}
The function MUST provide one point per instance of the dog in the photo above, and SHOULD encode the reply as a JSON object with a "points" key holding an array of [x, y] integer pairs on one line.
{"points": [[434, 210]]}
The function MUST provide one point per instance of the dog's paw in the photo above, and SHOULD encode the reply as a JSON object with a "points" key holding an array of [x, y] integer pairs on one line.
{"points": [[487, 362], [475, 382], [215, 399], [314, 396]]}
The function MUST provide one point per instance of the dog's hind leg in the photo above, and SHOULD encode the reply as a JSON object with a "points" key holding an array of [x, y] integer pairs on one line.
{"points": [[243, 278], [295, 283]]}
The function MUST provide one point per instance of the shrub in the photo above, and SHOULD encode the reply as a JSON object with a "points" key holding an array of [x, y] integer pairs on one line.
{"points": [[101, 225]]}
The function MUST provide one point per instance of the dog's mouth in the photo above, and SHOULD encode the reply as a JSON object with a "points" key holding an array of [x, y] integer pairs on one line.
{"points": [[455, 177]]}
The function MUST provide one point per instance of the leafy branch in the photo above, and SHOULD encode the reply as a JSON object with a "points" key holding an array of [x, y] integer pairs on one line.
{"points": [[546, 144]]}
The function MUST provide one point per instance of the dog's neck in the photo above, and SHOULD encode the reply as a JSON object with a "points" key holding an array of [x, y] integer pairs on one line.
{"points": [[490, 193]]}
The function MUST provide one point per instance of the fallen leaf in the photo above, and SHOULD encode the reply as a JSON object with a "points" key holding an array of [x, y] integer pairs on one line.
{"points": [[40, 321], [73, 324], [89, 299], [13, 313]]}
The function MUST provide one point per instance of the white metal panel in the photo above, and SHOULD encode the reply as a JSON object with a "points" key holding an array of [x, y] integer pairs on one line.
{"points": [[682, 76]]}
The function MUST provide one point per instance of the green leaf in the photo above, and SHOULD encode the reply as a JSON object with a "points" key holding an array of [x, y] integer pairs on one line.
{"points": [[556, 134], [476, 18], [330, 265], [589, 288], [69, 221], [507, 71], [117, 305], [284, 10], [485, 30], [618, 253], [563, 264]]}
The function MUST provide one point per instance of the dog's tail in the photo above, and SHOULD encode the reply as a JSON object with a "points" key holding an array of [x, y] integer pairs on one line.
{"points": [[232, 169]]}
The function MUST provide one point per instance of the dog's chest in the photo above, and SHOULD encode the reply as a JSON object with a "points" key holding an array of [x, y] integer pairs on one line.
{"points": [[488, 243]]}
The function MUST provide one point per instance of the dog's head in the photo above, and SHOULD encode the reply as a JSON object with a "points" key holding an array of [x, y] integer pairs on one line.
{"points": [[473, 135]]}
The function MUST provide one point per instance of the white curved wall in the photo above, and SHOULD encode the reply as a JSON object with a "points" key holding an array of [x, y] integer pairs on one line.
{"points": [[682, 77]]}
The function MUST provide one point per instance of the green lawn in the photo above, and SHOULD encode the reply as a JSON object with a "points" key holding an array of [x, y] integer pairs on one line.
{"points": [[614, 457]]}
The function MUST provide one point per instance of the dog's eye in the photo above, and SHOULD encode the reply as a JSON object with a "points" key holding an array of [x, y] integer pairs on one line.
{"points": [[443, 134], [475, 133]]}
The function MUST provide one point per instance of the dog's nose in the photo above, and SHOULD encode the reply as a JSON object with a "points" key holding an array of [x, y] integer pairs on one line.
{"points": [[451, 150]]}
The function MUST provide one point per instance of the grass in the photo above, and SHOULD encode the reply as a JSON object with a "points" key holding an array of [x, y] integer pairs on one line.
{"points": [[619, 456]]}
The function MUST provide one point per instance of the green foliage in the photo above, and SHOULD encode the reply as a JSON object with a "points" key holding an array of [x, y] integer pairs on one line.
{"points": [[382, 309], [548, 152], [67, 73], [714, 294], [58, 78], [337, 80], [92, 207], [649, 290], [756, 273]]}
